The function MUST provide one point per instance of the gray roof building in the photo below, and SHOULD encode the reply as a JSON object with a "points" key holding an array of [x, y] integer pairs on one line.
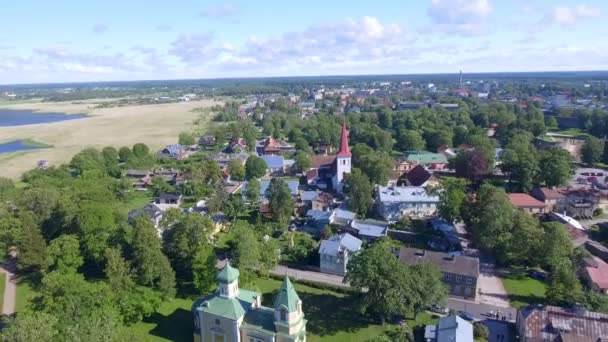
{"points": [[449, 329]]}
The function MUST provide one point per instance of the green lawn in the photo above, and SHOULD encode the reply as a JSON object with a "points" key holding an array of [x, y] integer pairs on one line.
{"points": [[25, 294], [331, 317], [523, 290], [33, 143], [135, 200], [571, 131]]}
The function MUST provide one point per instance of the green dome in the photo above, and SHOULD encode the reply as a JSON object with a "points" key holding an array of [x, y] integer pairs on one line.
{"points": [[228, 274]]}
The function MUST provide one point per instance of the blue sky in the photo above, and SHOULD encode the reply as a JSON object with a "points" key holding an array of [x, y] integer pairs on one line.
{"points": [[65, 41]]}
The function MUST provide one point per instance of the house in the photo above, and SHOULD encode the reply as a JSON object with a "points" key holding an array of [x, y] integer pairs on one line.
{"points": [[141, 179], [539, 323], [366, 229], [155, 211], [392, 202], [595, 273], [207, 141], [527, 203], [419, 176], [446, 151], [460, 273], [553, 198], [42, 164], [432, 161], [582, 202], [318, 219], [317, 200], [275, 165], [270, 146], [175, 151], [335, 252], [332, 169], [401, 166], [236, 146], [234, 314], [449, 329], [169, 198]]}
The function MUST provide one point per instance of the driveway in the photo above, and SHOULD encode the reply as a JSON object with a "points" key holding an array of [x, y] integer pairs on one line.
{"points": [[10, 287], [490, 288]]}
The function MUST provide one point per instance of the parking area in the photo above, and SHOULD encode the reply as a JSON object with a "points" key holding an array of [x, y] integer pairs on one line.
{"points": [[490, 288], [589, 176]]}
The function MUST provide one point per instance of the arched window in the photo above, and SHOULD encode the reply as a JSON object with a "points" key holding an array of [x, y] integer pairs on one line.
{"points": [[299, 308], [283, 315]]}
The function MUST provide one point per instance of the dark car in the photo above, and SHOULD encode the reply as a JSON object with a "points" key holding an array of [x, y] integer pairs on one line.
{"points": [[537, 275], [466, 315], [439, 309]]}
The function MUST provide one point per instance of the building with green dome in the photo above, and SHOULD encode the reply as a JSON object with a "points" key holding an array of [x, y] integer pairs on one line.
{"points": [[233, 314]]}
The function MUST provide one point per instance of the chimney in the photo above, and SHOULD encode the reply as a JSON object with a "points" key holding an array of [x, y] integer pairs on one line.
{"points": [[579, 309]]}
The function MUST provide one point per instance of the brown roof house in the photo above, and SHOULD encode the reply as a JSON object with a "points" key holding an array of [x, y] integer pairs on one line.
{"points": [[419, 176], [552, 197], [460, 273], [595, 272], [527, 203], [541, 323]]}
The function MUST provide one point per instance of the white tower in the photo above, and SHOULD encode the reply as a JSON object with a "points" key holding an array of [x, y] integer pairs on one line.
{"points": [[343, 160]]}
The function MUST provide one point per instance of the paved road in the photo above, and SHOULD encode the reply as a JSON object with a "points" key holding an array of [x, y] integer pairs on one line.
{"points": [[480, 310], [10, 287]]}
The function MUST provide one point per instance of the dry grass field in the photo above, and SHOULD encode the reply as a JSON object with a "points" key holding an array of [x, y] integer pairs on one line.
{"points": [[155, 125]]}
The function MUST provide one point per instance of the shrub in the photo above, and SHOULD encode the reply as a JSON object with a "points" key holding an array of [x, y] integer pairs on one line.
{"points": [[480, 331]]}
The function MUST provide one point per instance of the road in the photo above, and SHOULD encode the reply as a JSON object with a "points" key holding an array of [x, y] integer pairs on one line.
{"points": [[480, 310], [10, 287]]}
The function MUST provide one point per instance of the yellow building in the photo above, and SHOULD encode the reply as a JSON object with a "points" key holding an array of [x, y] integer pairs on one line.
{"points": [[233, 314]]}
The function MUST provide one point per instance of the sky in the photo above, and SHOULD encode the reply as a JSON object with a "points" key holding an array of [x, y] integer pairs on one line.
{"points": [[110, 40]]}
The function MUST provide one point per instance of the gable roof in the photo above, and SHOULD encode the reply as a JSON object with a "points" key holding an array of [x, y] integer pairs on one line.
{"points": [[231, 308], [273, 162], [521, 200], [423, 157], [322, 161], [545, 323], [287, 296], [418, 175], [369, 228], [339, 243], [454, 329]]}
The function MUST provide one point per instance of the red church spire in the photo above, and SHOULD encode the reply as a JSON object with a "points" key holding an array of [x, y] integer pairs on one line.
{"points": [[344, 150]]}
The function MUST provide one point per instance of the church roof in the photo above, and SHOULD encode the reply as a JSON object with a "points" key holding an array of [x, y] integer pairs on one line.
{"points": [[228, 274], [231, 308], [344, 150], [260, 319], [287, 296]]}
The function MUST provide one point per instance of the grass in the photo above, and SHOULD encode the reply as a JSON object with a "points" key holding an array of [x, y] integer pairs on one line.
{"points": [[32, 143], [135, 200], [154, 125], [25, 294], [523, 290], [571, 131]]}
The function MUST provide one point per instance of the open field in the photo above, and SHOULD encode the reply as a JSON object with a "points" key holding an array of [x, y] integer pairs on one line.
{"points": [[523, 290], [155, 125]]}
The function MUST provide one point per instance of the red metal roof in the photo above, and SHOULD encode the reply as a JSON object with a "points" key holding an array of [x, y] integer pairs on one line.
{"points": [[344, 150], [521, 200]]}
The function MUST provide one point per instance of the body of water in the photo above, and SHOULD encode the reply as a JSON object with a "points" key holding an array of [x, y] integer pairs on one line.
{"points": [[11, 117], [16, 146]]}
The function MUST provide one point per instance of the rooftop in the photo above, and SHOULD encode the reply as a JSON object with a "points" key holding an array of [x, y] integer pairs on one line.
{"points": [[405, 194], [549, 322], [456, 264], [424, 157], [370, 228], [521, 200], [273, 162], [338, 243]]}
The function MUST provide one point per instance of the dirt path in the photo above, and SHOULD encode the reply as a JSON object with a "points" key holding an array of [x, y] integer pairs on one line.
{"points": [[10, 287]]}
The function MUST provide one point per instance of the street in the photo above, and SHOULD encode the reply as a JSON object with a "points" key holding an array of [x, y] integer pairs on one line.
{"points": [[480, 310]]}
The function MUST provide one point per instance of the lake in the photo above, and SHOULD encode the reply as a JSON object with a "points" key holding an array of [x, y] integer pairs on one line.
{"points": [[13, 117], [16, 146]]}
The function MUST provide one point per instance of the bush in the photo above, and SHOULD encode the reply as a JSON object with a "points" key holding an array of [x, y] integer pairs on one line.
{"points": [[320, 286], [480, 331], [598, 212]]}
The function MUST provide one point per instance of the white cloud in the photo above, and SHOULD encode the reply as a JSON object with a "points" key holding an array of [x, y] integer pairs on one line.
{"points": [[219, 11], [459, 16], [99, 28], [567, 16], [195, 48]]}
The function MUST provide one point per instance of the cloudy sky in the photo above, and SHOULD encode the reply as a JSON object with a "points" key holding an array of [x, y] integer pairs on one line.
{"points": [[69, 40]]}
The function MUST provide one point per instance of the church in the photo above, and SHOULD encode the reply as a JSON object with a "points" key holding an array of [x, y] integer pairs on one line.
{"points": [[234, 315], [328, 171]]}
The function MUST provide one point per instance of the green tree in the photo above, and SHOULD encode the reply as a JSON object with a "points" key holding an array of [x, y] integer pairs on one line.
{"points": [[359, 191], [95, 225], [452, 198], [203, 269], [31, 326], [564, 288], [186, 139], [280, 202], [410, 140], [246, 252], [557, 245], [269, 255], [524, 242], [63, 254], [255, 167], [141, 150], [383, 284], [236, 170], [153, 268], [6, 185], [519, 161], [88, 160], [480, 331], [377, 167], [125, 154], [31, 246], [303, 161], [592, 150], [428, 286], [299, 247], [253, 190], [235, 206], [556, 166]]}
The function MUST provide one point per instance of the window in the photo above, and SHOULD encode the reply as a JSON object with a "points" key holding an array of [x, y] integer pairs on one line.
{"points": [[254, 339], [217, 336], [283, 315], [217, 322]]}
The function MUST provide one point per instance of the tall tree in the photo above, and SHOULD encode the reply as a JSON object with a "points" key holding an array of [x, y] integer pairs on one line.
{"points": [[519, 161], [236, 170], [141, 150], [592, 150], [564, 288], [269, 255], [125, 154], [451, 198], [235, 206], [31, 326], [410, 140], [203, 268], [556, 166], [279, 200], [153, 268], [246, 251], [253, 190], [302, 161], [428, 286], [31, 246], [255, 167], [359, 191], [63, 254], [186, 139]]}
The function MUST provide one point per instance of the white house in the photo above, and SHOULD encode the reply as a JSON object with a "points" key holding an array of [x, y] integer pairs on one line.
{"points": [[392, 202]]}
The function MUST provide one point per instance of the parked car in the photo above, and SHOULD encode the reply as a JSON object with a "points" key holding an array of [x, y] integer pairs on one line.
{"points": [[537, 275], [439, 309], [466, 315]]}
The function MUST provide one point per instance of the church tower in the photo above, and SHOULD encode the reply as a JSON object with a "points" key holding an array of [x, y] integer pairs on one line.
{"points": [[288, 315], [343, 160], [228, 281]]}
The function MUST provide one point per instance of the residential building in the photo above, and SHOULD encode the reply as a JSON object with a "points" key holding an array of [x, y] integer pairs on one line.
{"points": [[335, 252], [155, 212], [234, 314], [367, 230], [460, 273], [595, 273], [332, 169], [540, 323], [264, 184], [392, 202], [527, 203], [317, 200], [420, 176], [169, 198], [275, 165], [553, 198], [176, 152], [449, 329], [432, 161], [270, 146]]}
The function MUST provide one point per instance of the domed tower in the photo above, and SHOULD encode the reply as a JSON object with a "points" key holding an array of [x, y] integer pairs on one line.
{"points": [[288, 315], [228, 280], [343, 162]]}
